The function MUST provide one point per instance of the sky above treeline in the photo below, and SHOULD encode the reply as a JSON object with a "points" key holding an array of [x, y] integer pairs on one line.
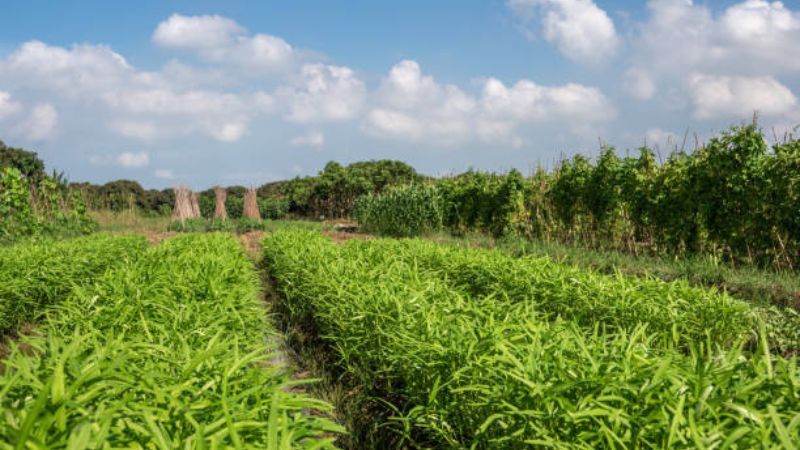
{"points": [[245, 92]]}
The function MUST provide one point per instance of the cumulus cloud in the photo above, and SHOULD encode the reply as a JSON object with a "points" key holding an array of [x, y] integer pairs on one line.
{"points": [[311, 139], [324, 93], [723, 96], [221, 40], [412, 106], [580, 29], [133, 160], [754, 38], [39, 124], [126, 99], [7, 106]]}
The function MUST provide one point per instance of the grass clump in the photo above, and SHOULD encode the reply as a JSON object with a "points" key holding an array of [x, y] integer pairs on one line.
{"points": [[165, 352], [36, 274], [474, 370]]}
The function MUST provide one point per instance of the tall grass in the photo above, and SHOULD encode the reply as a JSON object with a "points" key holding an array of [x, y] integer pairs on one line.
{"points": [[468, 370], [34, 275], [165, 352]]}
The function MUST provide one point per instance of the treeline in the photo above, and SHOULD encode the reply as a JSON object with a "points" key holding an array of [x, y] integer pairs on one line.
{"points": [[33, 203], [736, 197], [330, 194]]}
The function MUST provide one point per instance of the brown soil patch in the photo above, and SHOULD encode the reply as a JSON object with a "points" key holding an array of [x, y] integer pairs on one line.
{"points": [[26, 329], [252, 243]]}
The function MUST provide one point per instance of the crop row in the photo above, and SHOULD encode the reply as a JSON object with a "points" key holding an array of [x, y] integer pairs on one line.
{"points": [[674, 312], [469, 368], [167, 351], [34, 275]]}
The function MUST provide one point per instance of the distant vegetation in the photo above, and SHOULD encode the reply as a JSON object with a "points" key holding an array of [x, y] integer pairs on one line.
{"points": [[736, 198], [33, 203]]}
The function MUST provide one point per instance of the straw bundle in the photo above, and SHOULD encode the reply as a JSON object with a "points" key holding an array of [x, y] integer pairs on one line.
{"points": [[184, 204], [196, 205], [219, 211], [251, 204]]}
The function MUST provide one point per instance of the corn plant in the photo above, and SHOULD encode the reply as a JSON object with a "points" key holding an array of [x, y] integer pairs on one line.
{"points": [[163, 352], [402, 211]]}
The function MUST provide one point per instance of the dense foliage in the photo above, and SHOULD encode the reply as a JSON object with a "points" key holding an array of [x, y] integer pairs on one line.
{"points": [[27, 163], [468, 369], [39, 207], [735, 198], [127, 195], [166, 351]]}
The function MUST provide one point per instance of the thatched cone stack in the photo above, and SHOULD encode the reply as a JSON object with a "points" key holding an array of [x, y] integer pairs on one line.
{"points": [[251, 204], [184, 204], [220, 212], [196, 205]]}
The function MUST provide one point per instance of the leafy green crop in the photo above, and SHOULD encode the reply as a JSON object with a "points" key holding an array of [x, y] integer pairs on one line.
{"points": [[164, 352], [673, 311], [34, 275], [468, 370]]}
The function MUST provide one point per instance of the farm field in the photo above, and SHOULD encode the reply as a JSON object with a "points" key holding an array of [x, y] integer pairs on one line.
{"points": [[468, 356], [165, 349], [491, 225], [409, 343]]}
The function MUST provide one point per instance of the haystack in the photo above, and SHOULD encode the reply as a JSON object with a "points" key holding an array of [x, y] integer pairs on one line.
{"points": [[220, 212], [251, 204], [196, 205], [184, 204]]}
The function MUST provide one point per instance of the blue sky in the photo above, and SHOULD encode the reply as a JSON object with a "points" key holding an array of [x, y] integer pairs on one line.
{"points": [[244, 92]]}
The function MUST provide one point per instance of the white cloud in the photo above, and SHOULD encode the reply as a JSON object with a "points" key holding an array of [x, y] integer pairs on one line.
{"points": [[310, 139], [221, 40], [413, 107], [736, 97], [754, 38], [639, 83], [133, 160], [8, 107], [197, 32], [39, 125], [73, 72], [229, 131], [526, 101], [580, 29], [164, 174], [325, 93], [126, 100]]}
